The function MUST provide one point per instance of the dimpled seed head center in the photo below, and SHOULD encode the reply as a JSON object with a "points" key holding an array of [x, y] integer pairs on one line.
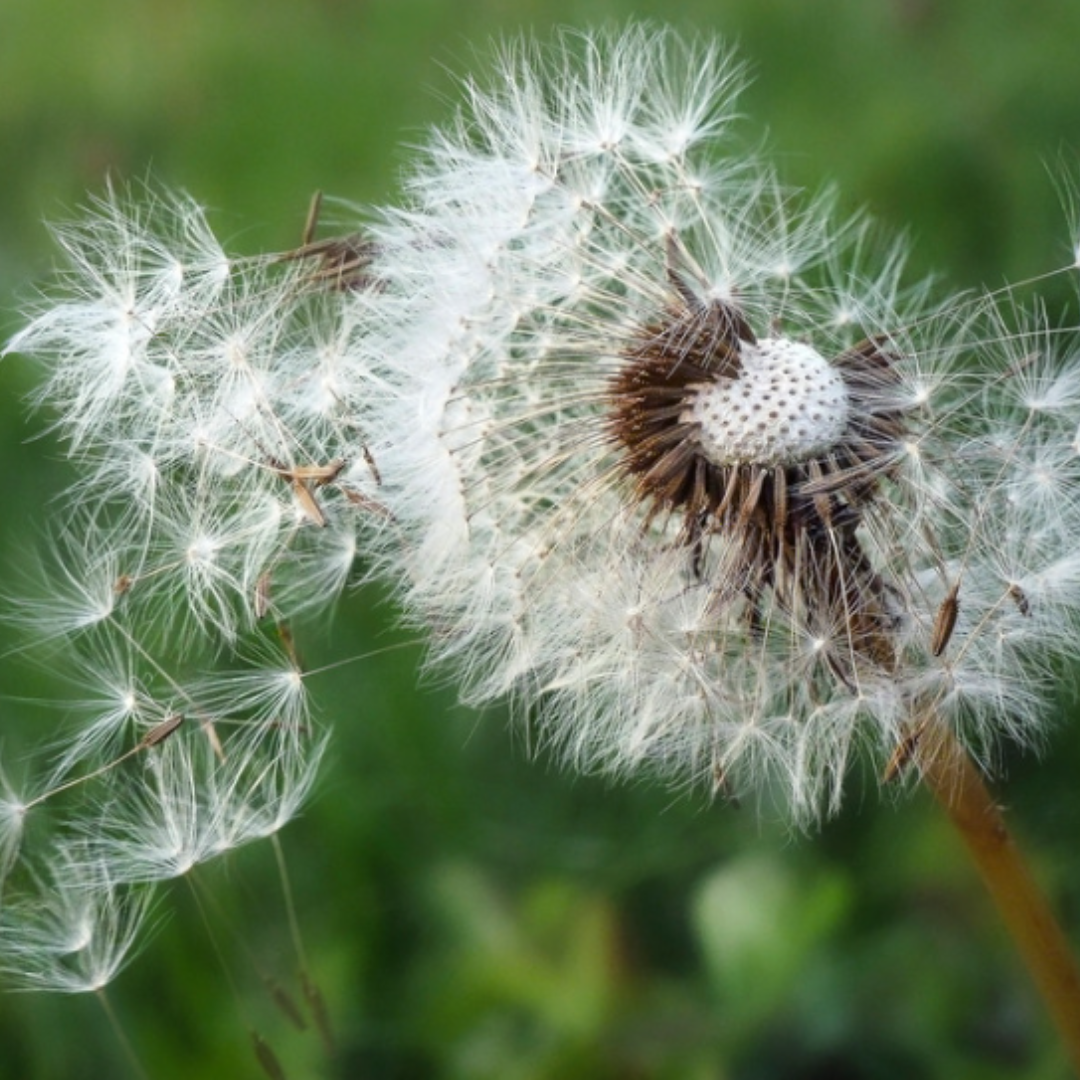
{"points": [[787, 405]]}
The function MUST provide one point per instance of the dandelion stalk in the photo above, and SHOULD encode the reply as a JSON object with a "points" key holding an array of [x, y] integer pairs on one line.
{"points": [[118, 1030], [957, 786]]}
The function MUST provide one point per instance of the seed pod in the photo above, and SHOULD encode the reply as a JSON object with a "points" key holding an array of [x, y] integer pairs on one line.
{"points": [[945, 622]]}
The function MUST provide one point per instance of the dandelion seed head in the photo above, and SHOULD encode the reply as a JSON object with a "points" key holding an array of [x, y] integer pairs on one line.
{"points": [[676, 459], [786, 405]]}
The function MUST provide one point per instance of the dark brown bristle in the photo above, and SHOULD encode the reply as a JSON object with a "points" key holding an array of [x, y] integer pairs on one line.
{"points": [[793, 526]]}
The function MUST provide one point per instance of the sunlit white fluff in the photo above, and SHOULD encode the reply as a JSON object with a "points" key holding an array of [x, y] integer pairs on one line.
{"points": [[193, 390], [592, 190], [77, 933]]}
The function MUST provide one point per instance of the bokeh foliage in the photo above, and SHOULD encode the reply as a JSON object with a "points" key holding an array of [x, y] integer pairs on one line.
{"points": [[470, 911]]}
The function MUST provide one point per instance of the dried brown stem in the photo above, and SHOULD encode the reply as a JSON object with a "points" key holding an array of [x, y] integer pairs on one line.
{"points": [[956, 784]]}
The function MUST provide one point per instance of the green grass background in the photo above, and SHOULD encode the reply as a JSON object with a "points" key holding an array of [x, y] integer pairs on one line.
{"points": [[468, 911]]}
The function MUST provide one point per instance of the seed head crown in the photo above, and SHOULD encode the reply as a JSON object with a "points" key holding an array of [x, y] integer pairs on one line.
{"points": [[786, 405]]}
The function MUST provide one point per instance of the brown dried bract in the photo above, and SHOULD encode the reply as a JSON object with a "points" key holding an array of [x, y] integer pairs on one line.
{"points": [[342, 261], [160, 732], [302, 478]]}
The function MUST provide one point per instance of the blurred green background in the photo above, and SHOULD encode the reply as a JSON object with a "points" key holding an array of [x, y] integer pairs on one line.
{"points": [[469, 911]]}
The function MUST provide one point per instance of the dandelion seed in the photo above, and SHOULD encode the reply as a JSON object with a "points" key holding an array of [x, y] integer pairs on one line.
{"points": [[161, 829], [271, 690], [74, 591], [13, 811], [267, 1059], [945, 621], [76, 936], [114, 700], [256, 796]]}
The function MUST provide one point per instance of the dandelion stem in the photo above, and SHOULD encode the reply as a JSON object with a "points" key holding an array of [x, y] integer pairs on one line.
{"points": [[121, 1035], [956, 784], [312, 994], [290, 907]]}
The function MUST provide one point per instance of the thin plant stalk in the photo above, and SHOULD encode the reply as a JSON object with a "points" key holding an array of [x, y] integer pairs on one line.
{"points": [[121, 1035], [958, 787]]}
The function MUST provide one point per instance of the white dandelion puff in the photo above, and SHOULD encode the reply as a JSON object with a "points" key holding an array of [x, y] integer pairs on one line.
{"points": [[672, 463], [133, 275], [221, 479], [219, 429]]}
